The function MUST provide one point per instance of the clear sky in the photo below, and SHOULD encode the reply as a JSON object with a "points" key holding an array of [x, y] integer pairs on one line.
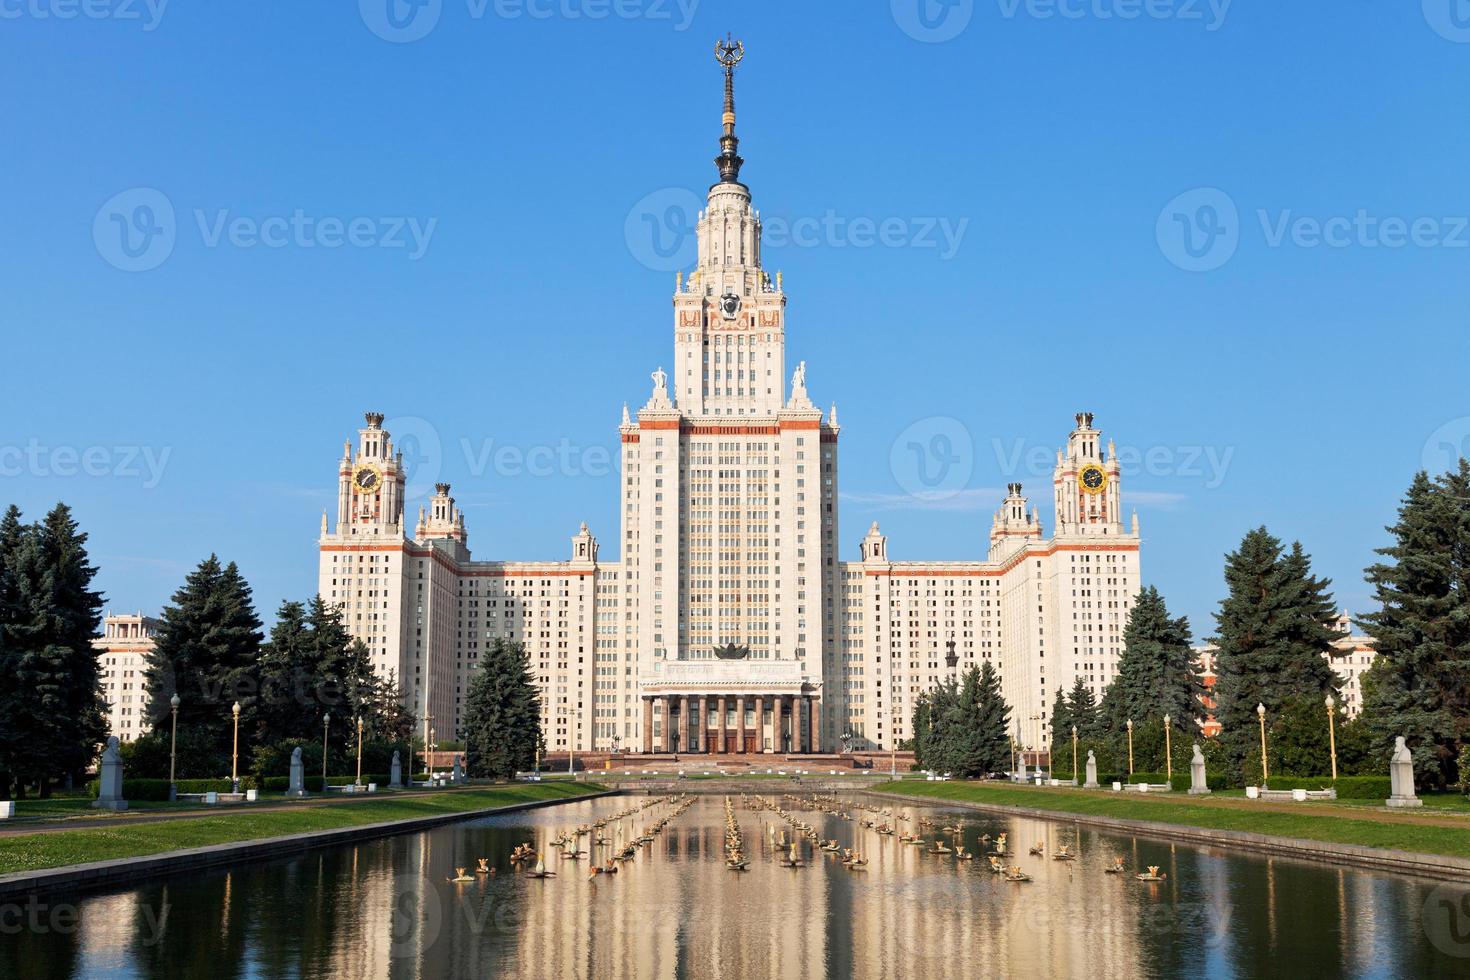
{"points": [[1234, 231]]}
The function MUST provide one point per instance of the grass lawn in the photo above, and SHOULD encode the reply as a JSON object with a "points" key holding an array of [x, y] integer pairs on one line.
{"points": [[33, 852], [1436, 829]]}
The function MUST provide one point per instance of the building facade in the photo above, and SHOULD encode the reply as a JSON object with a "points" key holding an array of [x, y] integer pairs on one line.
{"points": [[729, 622], [122, 652]]}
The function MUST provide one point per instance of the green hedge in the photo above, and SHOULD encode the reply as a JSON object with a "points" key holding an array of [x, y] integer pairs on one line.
{"points": [[279, 784], [1215, 781], [156, 790], [1348, 787]]}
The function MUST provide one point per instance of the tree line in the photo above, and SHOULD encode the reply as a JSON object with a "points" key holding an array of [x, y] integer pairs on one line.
{"points": [[308, 677]]}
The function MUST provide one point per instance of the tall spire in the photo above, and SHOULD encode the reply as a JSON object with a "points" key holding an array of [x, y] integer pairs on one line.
{"points": [[728, 53]]}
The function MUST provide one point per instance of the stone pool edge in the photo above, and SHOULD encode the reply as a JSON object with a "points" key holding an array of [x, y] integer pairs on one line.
{"points": [[1439, 867], [102, 874]]}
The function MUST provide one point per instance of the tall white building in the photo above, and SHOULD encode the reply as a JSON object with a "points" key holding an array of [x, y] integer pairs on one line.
{"points": [[122, 652], [729, 622]]}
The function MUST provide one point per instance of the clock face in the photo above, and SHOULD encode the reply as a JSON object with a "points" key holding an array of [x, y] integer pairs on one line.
{"points": [[729, 305], [366, 479], [1093, 479]]}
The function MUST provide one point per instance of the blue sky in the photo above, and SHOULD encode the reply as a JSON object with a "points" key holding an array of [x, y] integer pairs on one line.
{"points": [[1235, 232]]}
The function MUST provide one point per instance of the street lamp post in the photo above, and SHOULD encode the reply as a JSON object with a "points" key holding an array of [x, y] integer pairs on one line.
{"points": [[1265, 771], [1332, 732], [1130, 747], [235, 752], [359, 750], [173, 747], [1168, 753], [326, 725], [428, 737], [1074, 755]]}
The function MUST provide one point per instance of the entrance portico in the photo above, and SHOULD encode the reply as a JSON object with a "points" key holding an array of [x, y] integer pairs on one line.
{"points": [[743, 707]]}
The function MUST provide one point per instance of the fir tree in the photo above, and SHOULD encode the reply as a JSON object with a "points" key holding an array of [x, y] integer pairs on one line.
{"points": [[1062, 718], [1156, 674], [56, 713], [1274, 629], [1417, 685], [287, 679], [1084, 710], [992, 720], [502, 719], [207, 650], [11, 533]]}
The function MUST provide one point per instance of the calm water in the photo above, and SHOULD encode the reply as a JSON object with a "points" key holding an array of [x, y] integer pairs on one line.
{"points": [[384, 909]]}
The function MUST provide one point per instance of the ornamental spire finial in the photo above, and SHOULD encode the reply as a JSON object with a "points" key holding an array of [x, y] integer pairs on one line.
{"points": [[728, 53]]}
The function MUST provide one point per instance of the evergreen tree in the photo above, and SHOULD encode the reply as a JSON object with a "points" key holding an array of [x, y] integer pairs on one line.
{"points": [[1275, 626], [1062, 718], [207, 650], [1417, 685], [921, 730], [992, 721], [11, 533], [1156, 674], [287, 679], [1084, 711], [56, 714], [502, 719]]}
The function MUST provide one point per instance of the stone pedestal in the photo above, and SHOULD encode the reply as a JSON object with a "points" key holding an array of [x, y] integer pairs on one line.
{"points": [[297, 786], [1401, 777], [1198, 785], [1091, 771], [110, 785], [7, 809], [395, 773]]}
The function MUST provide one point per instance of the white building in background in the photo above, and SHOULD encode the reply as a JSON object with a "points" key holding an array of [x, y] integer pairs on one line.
{"points": [[122, 652], [729, 622]]}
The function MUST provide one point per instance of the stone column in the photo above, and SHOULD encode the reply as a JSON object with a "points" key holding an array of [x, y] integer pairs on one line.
{"points": [[663, 707], [648, 724], [740, 724], [685, 732], [816, 713], [760, 723], [720, 731], [788, 705], [701, 722]]}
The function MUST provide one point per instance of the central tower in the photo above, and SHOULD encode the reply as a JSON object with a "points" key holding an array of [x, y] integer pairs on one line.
{"points": [[729, 318], [730, 483]]}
